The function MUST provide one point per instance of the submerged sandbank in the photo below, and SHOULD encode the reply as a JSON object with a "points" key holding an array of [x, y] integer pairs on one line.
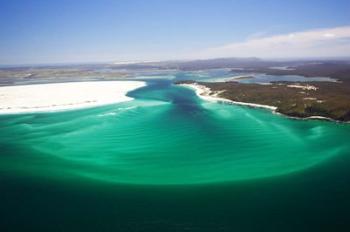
{"points": [[64, 96]]}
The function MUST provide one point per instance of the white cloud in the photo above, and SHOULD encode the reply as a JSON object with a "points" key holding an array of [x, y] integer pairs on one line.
{"points": [[314, 43], [329, 35]]}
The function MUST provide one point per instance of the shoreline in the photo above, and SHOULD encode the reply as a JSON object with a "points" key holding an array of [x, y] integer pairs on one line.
{"points": [[207, 94], [53, 97], [204, 93]]}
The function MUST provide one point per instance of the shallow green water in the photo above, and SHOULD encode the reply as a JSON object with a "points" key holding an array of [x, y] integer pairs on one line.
{"points": [[167, 136], [166, 149]]}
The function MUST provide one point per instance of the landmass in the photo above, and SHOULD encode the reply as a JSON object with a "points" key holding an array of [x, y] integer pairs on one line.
{"points": [[296, 99], [321, 100]]}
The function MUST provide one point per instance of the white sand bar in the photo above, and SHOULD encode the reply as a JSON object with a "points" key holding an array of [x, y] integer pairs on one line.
{"points": [[64, 96]]}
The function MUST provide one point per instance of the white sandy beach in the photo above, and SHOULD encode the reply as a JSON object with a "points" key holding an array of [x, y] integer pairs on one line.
{"points": [[64, 96], [207, 94]]}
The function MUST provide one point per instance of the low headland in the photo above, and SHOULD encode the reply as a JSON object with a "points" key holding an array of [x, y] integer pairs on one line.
{"points": [[314, 100]]}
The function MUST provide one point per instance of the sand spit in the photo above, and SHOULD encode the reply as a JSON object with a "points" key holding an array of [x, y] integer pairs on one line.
{"points": [[64, 96]]}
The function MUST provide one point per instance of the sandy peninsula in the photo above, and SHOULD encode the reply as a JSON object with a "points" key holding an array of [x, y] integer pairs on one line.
{"points": [[64, 96]]}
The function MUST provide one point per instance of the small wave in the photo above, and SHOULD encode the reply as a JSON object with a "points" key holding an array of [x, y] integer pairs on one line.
{"points": [[122, 109]]}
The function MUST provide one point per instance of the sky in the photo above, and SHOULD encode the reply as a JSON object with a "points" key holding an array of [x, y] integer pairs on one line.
{"points": [[79, 31]]}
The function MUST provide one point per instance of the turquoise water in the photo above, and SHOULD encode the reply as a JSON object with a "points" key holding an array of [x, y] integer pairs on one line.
{"points": [[171, 151], [169, 136]]}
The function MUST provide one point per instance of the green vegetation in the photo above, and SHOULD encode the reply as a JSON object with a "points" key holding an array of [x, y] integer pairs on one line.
{"points": [[331, 100]]}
